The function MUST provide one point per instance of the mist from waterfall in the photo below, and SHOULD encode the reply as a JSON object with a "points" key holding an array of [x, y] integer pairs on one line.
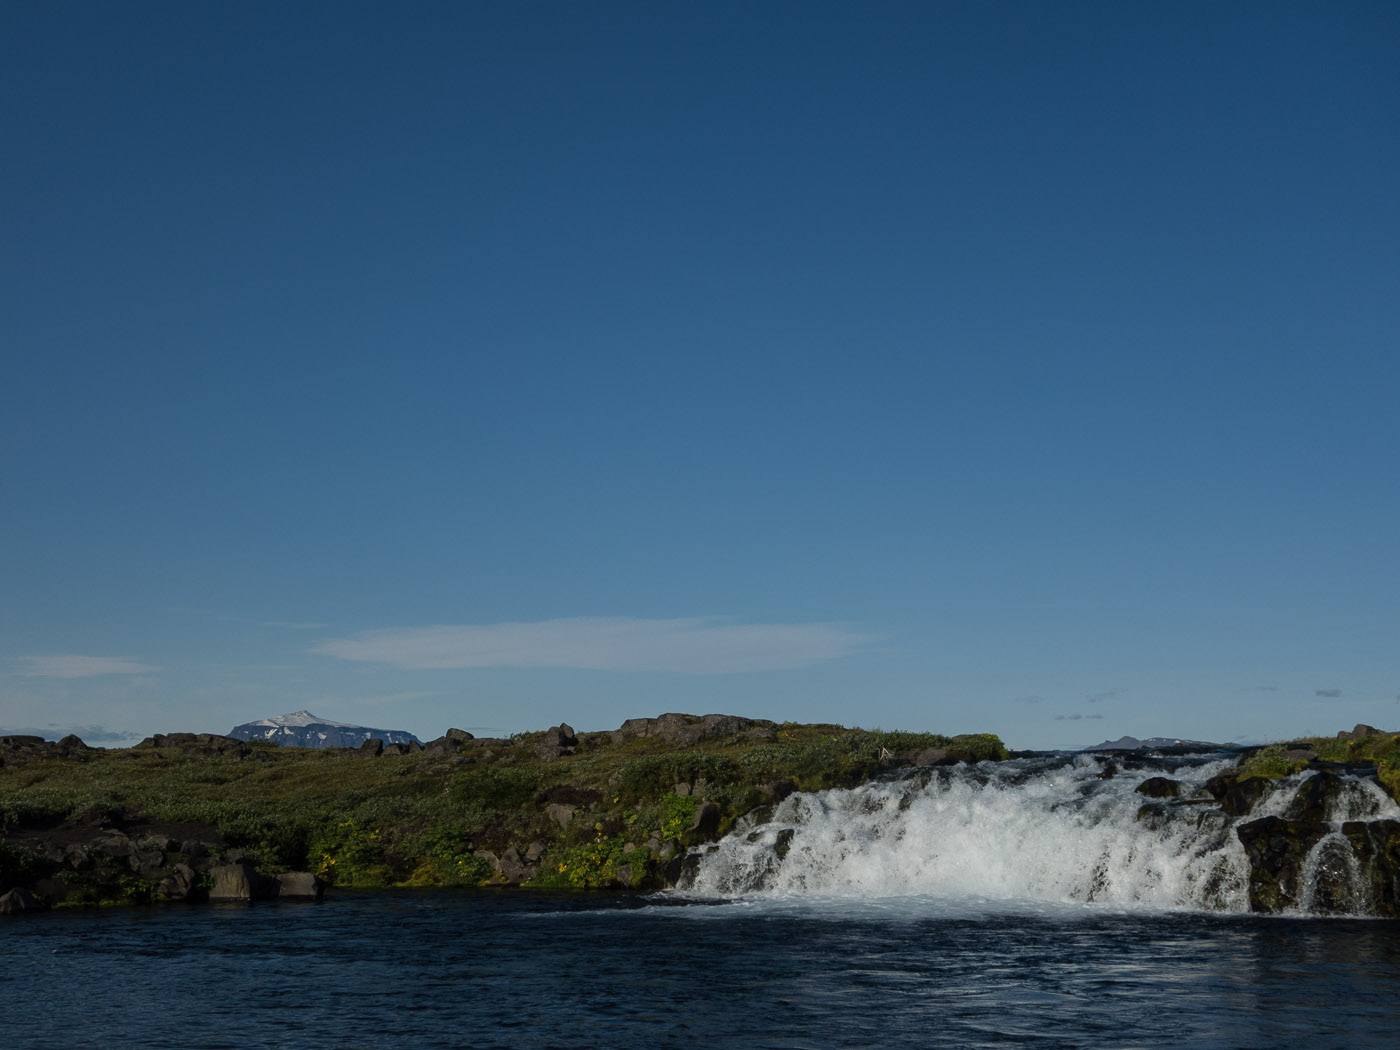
{"points": [[1051, 829]]}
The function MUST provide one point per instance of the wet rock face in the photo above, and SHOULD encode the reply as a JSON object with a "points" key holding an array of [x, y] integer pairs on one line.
{"points": [[1159, 787], [1237, 796], [1377, 847], [1305, 861], [1315, 797]]}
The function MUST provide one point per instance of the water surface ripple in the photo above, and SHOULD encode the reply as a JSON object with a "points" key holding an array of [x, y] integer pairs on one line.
{"points": [[419, 970]]}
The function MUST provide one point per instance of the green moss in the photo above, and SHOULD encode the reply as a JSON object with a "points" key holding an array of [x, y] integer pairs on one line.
{"points": [[419, 819], [1269, 763]]}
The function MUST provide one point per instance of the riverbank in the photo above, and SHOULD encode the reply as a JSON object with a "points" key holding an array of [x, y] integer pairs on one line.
{"points": [[192, 817]]}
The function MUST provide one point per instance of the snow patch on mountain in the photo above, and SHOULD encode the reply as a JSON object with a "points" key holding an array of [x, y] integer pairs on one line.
{"points": [[303, 729]]}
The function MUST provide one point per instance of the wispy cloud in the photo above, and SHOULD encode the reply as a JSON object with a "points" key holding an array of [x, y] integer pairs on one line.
{"points": [[697, 645], [1027, 700], [1076, 717], [72, 665], [1328, 694], [1107, 694], [1260, 689], [291, 625]]}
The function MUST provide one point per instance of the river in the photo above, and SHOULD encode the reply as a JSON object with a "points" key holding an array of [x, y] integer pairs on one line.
{"points": [[1028, 904]]}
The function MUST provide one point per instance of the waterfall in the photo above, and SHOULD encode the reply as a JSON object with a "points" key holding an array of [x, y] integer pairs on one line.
{"points": [[1047, 828]]}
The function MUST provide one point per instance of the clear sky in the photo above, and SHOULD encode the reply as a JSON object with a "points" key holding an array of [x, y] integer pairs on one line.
{"points": [[1022, 367]]}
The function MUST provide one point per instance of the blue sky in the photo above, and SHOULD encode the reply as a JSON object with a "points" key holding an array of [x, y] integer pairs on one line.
{"points": [[1018, 367]]}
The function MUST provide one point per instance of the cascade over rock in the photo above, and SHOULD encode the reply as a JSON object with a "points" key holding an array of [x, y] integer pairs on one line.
{"points": [[1185, 832]]}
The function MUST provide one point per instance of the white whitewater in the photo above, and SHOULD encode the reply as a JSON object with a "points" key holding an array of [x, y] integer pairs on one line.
{"points": [[1051, 829]]}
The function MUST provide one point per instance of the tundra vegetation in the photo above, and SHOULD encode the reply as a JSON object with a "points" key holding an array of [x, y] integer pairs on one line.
{"points": [[550, 809], [1363, 746]]}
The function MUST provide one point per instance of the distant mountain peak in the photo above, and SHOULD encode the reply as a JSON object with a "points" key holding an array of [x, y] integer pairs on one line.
{"points": [[1132, 743], [301, 718], [303, 729]]}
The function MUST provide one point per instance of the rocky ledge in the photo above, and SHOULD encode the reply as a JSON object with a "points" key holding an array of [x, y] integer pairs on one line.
{"points": [[1317, 844], [189, 817]]}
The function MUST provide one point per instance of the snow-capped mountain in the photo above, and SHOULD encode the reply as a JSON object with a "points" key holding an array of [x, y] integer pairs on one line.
{"points": [[1132, 743], [303, 729]]}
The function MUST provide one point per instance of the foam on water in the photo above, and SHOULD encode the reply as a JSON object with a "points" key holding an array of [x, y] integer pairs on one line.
{"points": [[1048, 829]]}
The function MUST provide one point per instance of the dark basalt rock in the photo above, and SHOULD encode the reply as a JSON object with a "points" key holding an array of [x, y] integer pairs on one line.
{"points": [[1237, 796], [675, 728], [1377, 847], [1159, 787], [1360, 731], [449, 743], [1314, 797], [299, 885], [1276, 849], [705, 826], [194, 744], [20, 748], [777, 790], [18, 900], [558, 741]]}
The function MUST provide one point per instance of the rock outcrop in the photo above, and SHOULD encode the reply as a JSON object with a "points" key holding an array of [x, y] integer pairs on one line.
{"points": [[686, 730]]}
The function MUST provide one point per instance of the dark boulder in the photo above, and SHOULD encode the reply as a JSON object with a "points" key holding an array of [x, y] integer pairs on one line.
{"points": [[449, 743], [1159, 787], [371, 748], [686, 730], [777, 790], [240, 881], [705, 826], [180, 884], [299, 885], [557, 741], [1277, 849], [512, 868], [1315, 797], [1237, 796], [18, 900], [1376, 844], [1360, 731]]}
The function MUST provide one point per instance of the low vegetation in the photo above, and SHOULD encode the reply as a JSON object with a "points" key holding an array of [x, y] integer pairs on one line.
{"points": [[605, 810], [1373, 748]]}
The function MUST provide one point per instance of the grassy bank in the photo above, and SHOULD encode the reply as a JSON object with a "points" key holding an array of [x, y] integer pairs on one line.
{"points": [[1373, 748], [541, 809]]}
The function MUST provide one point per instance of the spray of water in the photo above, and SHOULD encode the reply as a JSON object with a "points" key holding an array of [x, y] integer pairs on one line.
{"points": [[1044, 829]]}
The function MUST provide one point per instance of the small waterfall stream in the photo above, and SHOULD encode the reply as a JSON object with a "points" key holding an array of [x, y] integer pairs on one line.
{"points": [[1046, 828]]}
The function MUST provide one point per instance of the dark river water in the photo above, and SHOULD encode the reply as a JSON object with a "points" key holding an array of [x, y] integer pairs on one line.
{"points": [[416, 970]]}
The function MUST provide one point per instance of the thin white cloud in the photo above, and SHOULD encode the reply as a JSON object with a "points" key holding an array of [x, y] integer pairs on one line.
{"points": [[72, 665], [1109, 694], [697, 645]]}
